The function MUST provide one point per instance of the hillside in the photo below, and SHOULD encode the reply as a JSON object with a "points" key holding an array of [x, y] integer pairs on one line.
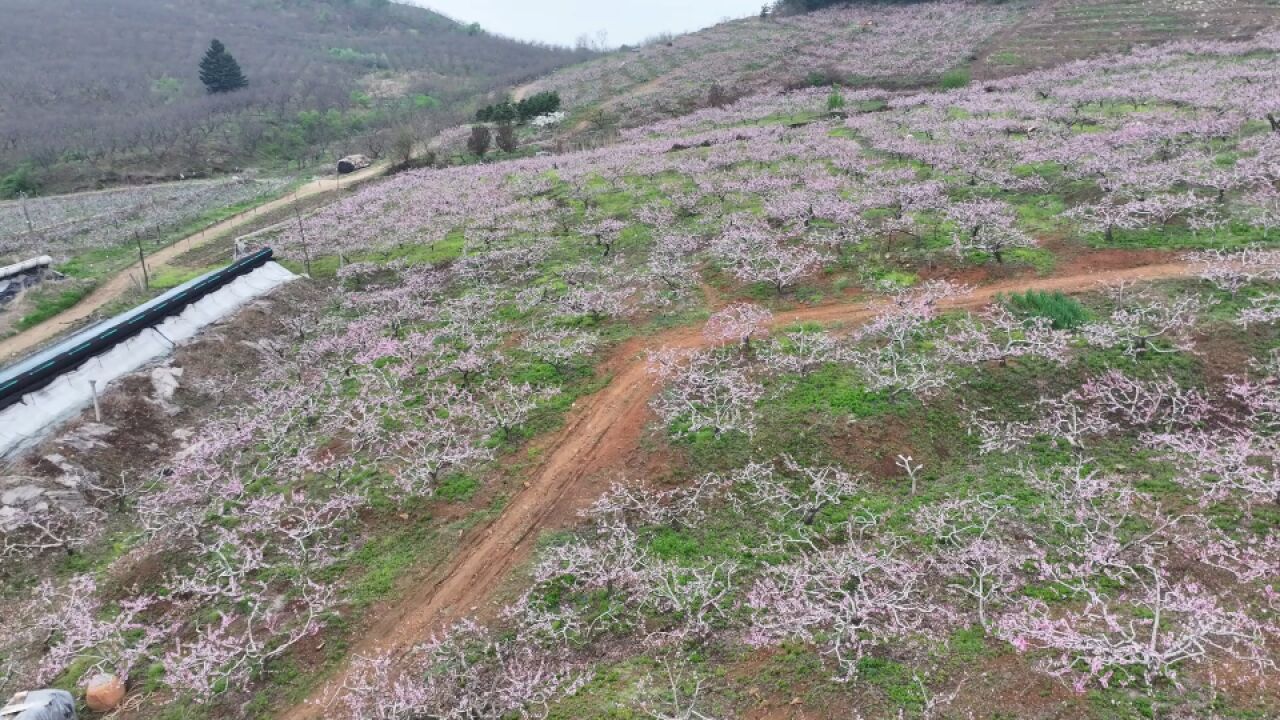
{"points": [[1066, 30], [865, 44], [113, 94], [856, 45], [888, 402]]}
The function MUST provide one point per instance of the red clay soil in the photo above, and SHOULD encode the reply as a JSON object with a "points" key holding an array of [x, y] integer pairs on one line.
{"points": [[602, 432]]}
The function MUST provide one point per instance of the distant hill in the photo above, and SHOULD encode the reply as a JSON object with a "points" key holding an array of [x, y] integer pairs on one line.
{"points": [[1059, 32], [97, 91], [864, 43], [879, 44]]}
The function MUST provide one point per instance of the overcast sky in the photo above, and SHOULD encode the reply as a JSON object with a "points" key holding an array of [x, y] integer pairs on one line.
{"points": [[562, 21]]}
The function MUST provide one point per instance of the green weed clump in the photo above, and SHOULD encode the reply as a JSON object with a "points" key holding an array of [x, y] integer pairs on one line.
{"points": [[835, 101], [957, 78], [1064, 312]]}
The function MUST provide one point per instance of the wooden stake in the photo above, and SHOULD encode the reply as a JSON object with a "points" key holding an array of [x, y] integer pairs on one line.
{"points": [[142, 259], [97, 407], [31, 228], [306, 255]]}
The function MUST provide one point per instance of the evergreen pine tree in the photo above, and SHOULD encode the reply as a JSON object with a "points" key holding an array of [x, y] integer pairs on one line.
{"points": [[219, 71]]}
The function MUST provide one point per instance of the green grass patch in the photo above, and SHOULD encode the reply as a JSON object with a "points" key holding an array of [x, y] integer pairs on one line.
{"points": [[956, 78], [1005, 57], [896, 680], [897, 278], [48, 302], [384, 561], [675, 545], [1234, 235], [1039, 214], [835, 389], [1063, 311], [1049, 592], [327, 266], [968, 643], [1042, 260], [93, 264], [450, 248], [458, 488], [167, 278]]}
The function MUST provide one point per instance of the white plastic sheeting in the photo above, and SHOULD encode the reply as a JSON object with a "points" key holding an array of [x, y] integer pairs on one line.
{"points": [[40, 705], [24, 423]]}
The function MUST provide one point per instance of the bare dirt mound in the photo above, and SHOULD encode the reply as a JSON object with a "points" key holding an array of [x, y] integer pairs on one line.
{"points": [[602, 432]]}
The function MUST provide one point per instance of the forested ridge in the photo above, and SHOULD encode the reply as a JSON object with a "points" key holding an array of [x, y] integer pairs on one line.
{"points": [[114, 94]]}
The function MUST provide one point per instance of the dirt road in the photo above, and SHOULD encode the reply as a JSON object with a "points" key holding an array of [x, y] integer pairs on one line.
{"points": [[602, 432], [523, 91], [120, 283]]}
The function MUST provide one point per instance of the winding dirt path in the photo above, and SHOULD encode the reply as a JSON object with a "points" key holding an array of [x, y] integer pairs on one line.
{"points": [[120, 283], [603, 430]]}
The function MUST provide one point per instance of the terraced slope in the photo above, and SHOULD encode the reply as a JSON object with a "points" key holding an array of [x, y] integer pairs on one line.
{"points": [[858, 45], [1059, 31]]}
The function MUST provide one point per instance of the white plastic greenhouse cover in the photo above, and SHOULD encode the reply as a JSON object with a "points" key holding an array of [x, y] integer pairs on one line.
{"points": [[24, 423]]}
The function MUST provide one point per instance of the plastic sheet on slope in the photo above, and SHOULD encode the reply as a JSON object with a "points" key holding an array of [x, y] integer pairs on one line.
{"points": [[23, 424]]}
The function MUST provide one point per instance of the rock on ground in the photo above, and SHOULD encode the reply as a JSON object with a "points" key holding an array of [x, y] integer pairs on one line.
{"points": [[164, 381], [104, 692]]}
